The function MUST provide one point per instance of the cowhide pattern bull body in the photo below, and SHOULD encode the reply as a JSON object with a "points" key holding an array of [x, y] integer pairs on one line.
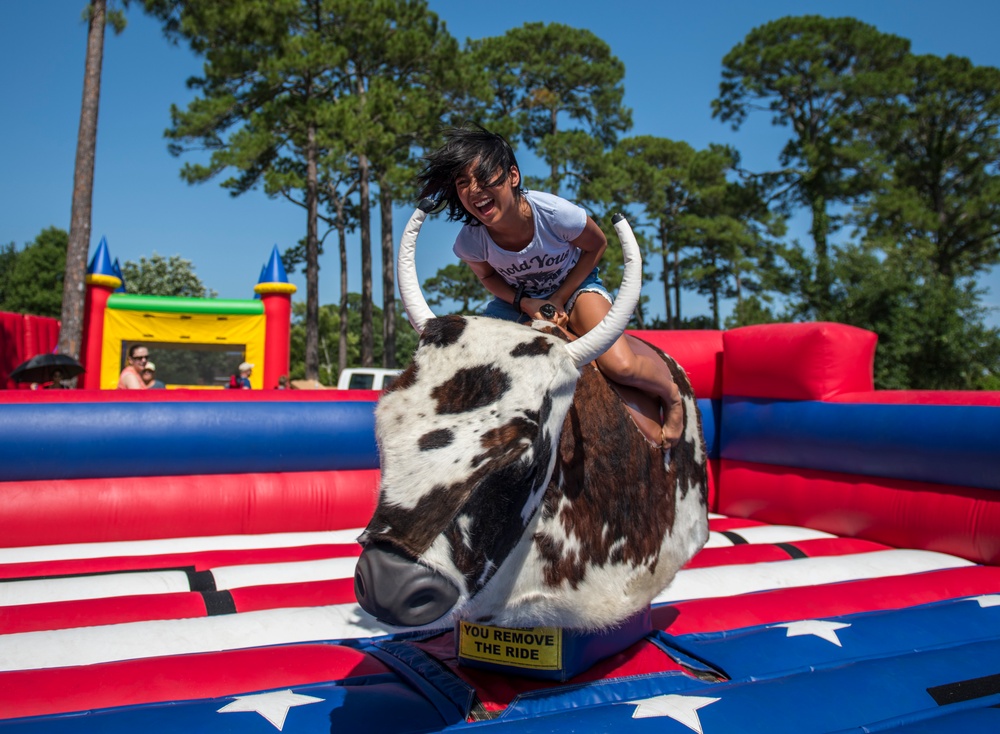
{"points": [[525, 482]]}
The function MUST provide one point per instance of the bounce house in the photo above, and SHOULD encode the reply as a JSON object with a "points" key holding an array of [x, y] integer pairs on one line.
{"points": [[178, 563], [209, 337]]}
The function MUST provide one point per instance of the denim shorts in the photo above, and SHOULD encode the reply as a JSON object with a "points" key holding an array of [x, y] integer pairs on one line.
{"points": [[500, 309]]}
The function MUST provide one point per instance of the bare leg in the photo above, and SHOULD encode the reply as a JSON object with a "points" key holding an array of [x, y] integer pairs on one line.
{"points": [[621, 364]]}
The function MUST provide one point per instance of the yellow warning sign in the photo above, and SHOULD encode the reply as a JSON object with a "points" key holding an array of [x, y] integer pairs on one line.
{"points": [[539, 648]]}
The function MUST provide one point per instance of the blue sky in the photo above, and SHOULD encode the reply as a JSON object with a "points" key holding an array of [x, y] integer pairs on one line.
{"points": [[672, 53]]}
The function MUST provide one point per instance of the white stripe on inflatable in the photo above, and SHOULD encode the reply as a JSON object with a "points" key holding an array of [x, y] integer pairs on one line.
{"points": [[716, 581], [293, 572], [102, 586], [89, 645], [30, 554], [99, 586], [779, 533], [717, 540], [263, 574], [757, 534]]}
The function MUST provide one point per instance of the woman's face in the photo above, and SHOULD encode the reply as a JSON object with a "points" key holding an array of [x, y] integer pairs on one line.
{"points": [[139, 358], [488, 205]]}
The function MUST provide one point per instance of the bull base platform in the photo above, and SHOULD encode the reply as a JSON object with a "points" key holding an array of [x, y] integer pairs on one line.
{"points": [[548, 653]]}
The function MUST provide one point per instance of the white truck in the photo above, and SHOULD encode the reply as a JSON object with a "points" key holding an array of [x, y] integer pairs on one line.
{"points": [[366, 378]]}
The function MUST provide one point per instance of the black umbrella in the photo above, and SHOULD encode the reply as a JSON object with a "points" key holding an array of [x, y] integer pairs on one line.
{"points": [[42, 368]]}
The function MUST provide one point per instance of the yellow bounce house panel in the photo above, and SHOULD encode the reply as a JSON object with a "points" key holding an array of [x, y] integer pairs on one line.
{"points": [[232, 329]]}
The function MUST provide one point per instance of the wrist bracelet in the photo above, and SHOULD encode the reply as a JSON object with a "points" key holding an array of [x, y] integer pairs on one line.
{"points": [[518, 295]]}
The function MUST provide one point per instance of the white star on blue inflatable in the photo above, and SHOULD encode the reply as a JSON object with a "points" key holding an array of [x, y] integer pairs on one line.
{"points": [[817, 627], [272, 706], [682, 709], [988, 600]]}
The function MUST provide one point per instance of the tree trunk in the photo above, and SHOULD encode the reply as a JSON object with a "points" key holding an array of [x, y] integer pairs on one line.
{"points": [[367, 331], [388, 281], [312, 257], [639, 315], [739, 299], [554, 170], [342, 247], [715, 301], [667, 296], [71, 330], [824, 277], [665, 265], [677, 287]]}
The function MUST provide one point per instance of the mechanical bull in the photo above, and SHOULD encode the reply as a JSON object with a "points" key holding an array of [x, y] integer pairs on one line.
{"points": [[516, 488]]}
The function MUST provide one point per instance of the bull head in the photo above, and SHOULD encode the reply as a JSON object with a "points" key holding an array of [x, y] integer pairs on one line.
{"points": [[468, 438]]}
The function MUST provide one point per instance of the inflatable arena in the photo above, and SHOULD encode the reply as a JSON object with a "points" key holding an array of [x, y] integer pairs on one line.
{"points": [[184, 561]]}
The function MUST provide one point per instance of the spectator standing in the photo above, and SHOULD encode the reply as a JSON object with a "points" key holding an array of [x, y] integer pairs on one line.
{"points": [[149, 377], [241, 380], [131, 376], [57, 381]]}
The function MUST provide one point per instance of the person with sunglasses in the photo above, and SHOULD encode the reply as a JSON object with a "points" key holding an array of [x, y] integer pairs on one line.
{"points": [[131, 376]]}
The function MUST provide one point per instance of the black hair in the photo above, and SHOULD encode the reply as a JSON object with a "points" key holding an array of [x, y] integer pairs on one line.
{"points": [[131, 350], [462, 147]]}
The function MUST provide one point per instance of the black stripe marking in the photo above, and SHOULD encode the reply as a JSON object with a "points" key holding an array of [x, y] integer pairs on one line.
{"points": [[966, 690], [736, 538], [791, 550], [200, 580], [218, 602]]}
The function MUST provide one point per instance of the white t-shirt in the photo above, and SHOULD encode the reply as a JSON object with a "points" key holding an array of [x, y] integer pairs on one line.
{"points": [[542, 266]]}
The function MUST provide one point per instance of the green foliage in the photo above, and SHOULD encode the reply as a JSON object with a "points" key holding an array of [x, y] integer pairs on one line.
{"points": [[815, 75], [931, 334], [939, 192], [455, 283], [114, 16], [612, 265], [732, 246], [311, 100], [31, 280], [543, 71], [160, 276], [750, 311], [323, 101], [8, 257], [907, 148], [329, 326], [695, 322], [711, 234]]}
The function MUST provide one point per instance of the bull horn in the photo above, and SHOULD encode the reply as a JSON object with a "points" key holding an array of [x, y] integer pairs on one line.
{"points": [[417, 310], [598, 340]]}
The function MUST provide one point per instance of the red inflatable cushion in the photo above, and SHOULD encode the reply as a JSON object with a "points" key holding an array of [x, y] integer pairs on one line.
{"points": [[698, 352], [812, 361], [962, 521]]}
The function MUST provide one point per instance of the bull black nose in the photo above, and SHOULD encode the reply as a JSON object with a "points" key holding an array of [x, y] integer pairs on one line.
{"points": [[399, 591]]}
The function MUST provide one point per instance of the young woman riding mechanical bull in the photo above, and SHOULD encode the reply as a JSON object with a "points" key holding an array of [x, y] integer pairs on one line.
{"points": [[537, 253]]}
